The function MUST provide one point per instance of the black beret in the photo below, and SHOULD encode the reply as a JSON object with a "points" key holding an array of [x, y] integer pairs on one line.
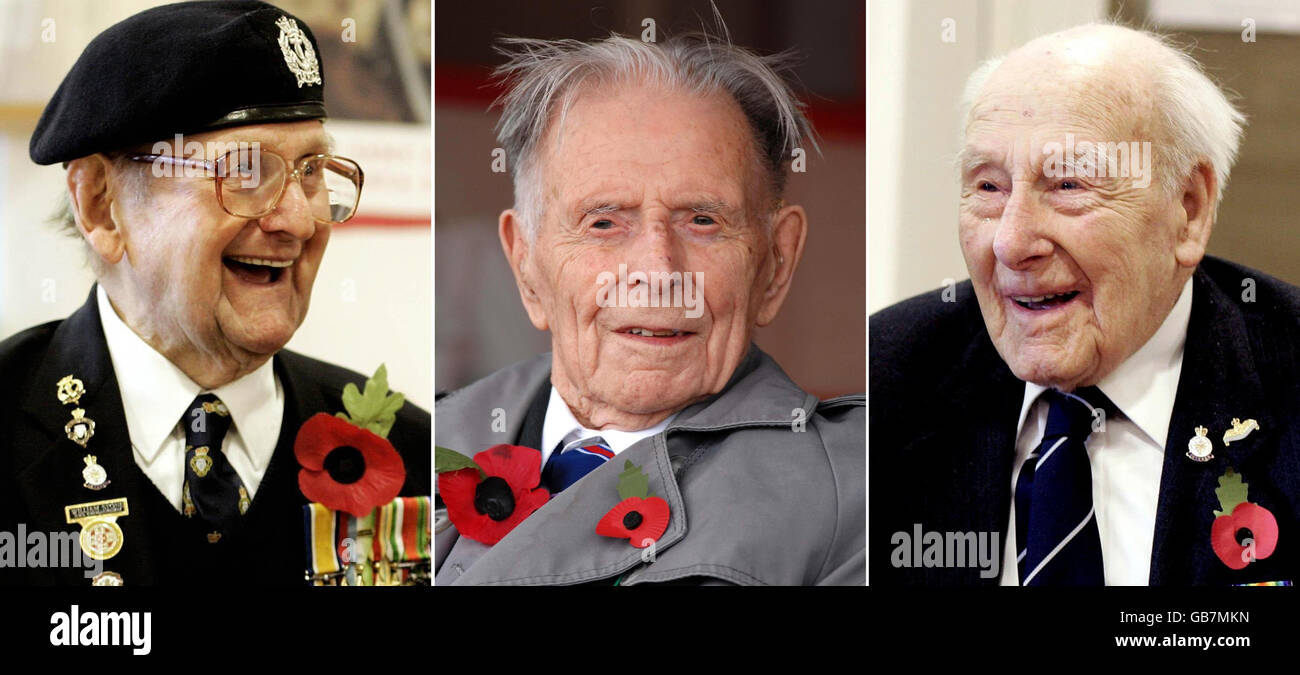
{"points": [[181, 69]]}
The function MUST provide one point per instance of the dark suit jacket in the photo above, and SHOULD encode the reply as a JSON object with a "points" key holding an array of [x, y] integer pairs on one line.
{"points": [[40, 469], [944, 408]]}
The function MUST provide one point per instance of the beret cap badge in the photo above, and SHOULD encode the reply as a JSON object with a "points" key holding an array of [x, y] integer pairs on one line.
{"points": [[298, 52]]}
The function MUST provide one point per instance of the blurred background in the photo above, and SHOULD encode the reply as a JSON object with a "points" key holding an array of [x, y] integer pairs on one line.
{"points": [[917, 79], [372, 300], [818, 338]]}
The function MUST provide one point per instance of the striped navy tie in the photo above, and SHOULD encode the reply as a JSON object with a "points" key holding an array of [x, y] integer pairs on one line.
{"points": [[1056, 525], [572, 461]]}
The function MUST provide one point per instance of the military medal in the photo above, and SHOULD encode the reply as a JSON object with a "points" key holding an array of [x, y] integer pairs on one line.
{"points": [[107, 579], [1239, 430], [1200, 448], [95, 475], [101, 537], [80, 429]]}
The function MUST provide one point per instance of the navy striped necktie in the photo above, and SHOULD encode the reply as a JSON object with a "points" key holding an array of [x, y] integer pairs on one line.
{"points": [[1056, 523], [574, 460]]}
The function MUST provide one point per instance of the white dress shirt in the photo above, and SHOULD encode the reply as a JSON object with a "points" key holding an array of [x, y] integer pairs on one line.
{"points": [[560, 424], [1128, 459], [156, 395]]}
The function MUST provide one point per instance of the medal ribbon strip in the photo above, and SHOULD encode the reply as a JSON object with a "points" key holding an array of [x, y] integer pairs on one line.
{"points": [[321, 526]]}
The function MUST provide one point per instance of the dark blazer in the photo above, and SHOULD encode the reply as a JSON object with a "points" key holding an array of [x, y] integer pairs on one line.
{"points": [[40, 469], [944, 408]]}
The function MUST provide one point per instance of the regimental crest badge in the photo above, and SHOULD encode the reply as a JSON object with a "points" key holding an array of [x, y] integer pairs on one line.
{"points": [[95, 475], [299, 55], [201, 462]]}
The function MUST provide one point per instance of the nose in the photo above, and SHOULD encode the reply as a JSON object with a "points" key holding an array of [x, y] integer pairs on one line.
{"points": [[292, 215], [1019, 240], [657, 247]]}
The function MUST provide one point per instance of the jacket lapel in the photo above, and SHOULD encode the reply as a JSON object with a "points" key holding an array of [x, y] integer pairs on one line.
{"points": [[1219, 381], [972, 456], [50, 465], [557, 545]]}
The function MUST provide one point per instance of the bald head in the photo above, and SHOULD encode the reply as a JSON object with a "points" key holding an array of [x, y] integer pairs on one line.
{"points": [[1123, 82]]}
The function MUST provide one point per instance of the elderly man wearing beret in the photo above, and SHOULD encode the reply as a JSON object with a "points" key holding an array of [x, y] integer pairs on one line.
{"points": [[161, 417], [1102, 403], [656, 443]]}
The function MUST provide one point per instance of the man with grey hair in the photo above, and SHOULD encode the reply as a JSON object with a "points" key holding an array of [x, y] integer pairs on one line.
{"points": [[163, 423], [1101, 403], [656, 443]]}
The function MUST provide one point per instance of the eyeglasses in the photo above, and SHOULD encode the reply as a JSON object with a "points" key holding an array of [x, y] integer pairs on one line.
{"points": [[250, 183]]}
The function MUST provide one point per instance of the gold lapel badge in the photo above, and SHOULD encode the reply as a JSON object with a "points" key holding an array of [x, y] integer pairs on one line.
{"points": [[101, 537], [80, 429], [1200, 448], [95, 475], [1239, 430], [69, 390]]}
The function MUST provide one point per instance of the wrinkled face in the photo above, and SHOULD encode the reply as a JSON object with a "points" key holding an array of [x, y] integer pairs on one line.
{"points": [[1073, 273], [646, 181], [216, 284]]}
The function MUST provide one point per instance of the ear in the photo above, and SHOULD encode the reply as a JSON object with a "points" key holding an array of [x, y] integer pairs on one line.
{"points": [[1199, 200], [514, 241], [789, 229], [92, 206]]}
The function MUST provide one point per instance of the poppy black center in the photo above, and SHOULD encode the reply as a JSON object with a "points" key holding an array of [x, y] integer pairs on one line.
{"points": [[1243, 534], [632, 520], [494, 499], [345, 464]]}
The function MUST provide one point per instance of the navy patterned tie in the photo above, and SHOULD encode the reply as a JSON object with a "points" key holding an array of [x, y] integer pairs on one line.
{"points": [[212, 490], [574, 460], [1056, 525]]}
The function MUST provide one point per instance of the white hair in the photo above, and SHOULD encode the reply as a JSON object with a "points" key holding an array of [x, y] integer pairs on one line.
{"points": [[544, 77], [1199, 121]]}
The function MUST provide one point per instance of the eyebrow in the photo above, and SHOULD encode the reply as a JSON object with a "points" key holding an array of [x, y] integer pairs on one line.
{"points": [[708, 205], [601, 206], [596, 208], [969, 160]]}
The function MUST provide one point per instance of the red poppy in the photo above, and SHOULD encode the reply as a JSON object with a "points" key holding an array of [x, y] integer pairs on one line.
{"points": [[642, 521], [1262, 528], [486, 509], [345, 467]]}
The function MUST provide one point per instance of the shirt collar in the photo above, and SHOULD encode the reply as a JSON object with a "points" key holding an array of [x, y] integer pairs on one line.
{"points": [[157, 394], [1145, 385], [560, 424]]}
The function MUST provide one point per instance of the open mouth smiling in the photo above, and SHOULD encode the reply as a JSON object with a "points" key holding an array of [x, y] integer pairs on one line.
{"points": [[1044, 302], [256, 270]]}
